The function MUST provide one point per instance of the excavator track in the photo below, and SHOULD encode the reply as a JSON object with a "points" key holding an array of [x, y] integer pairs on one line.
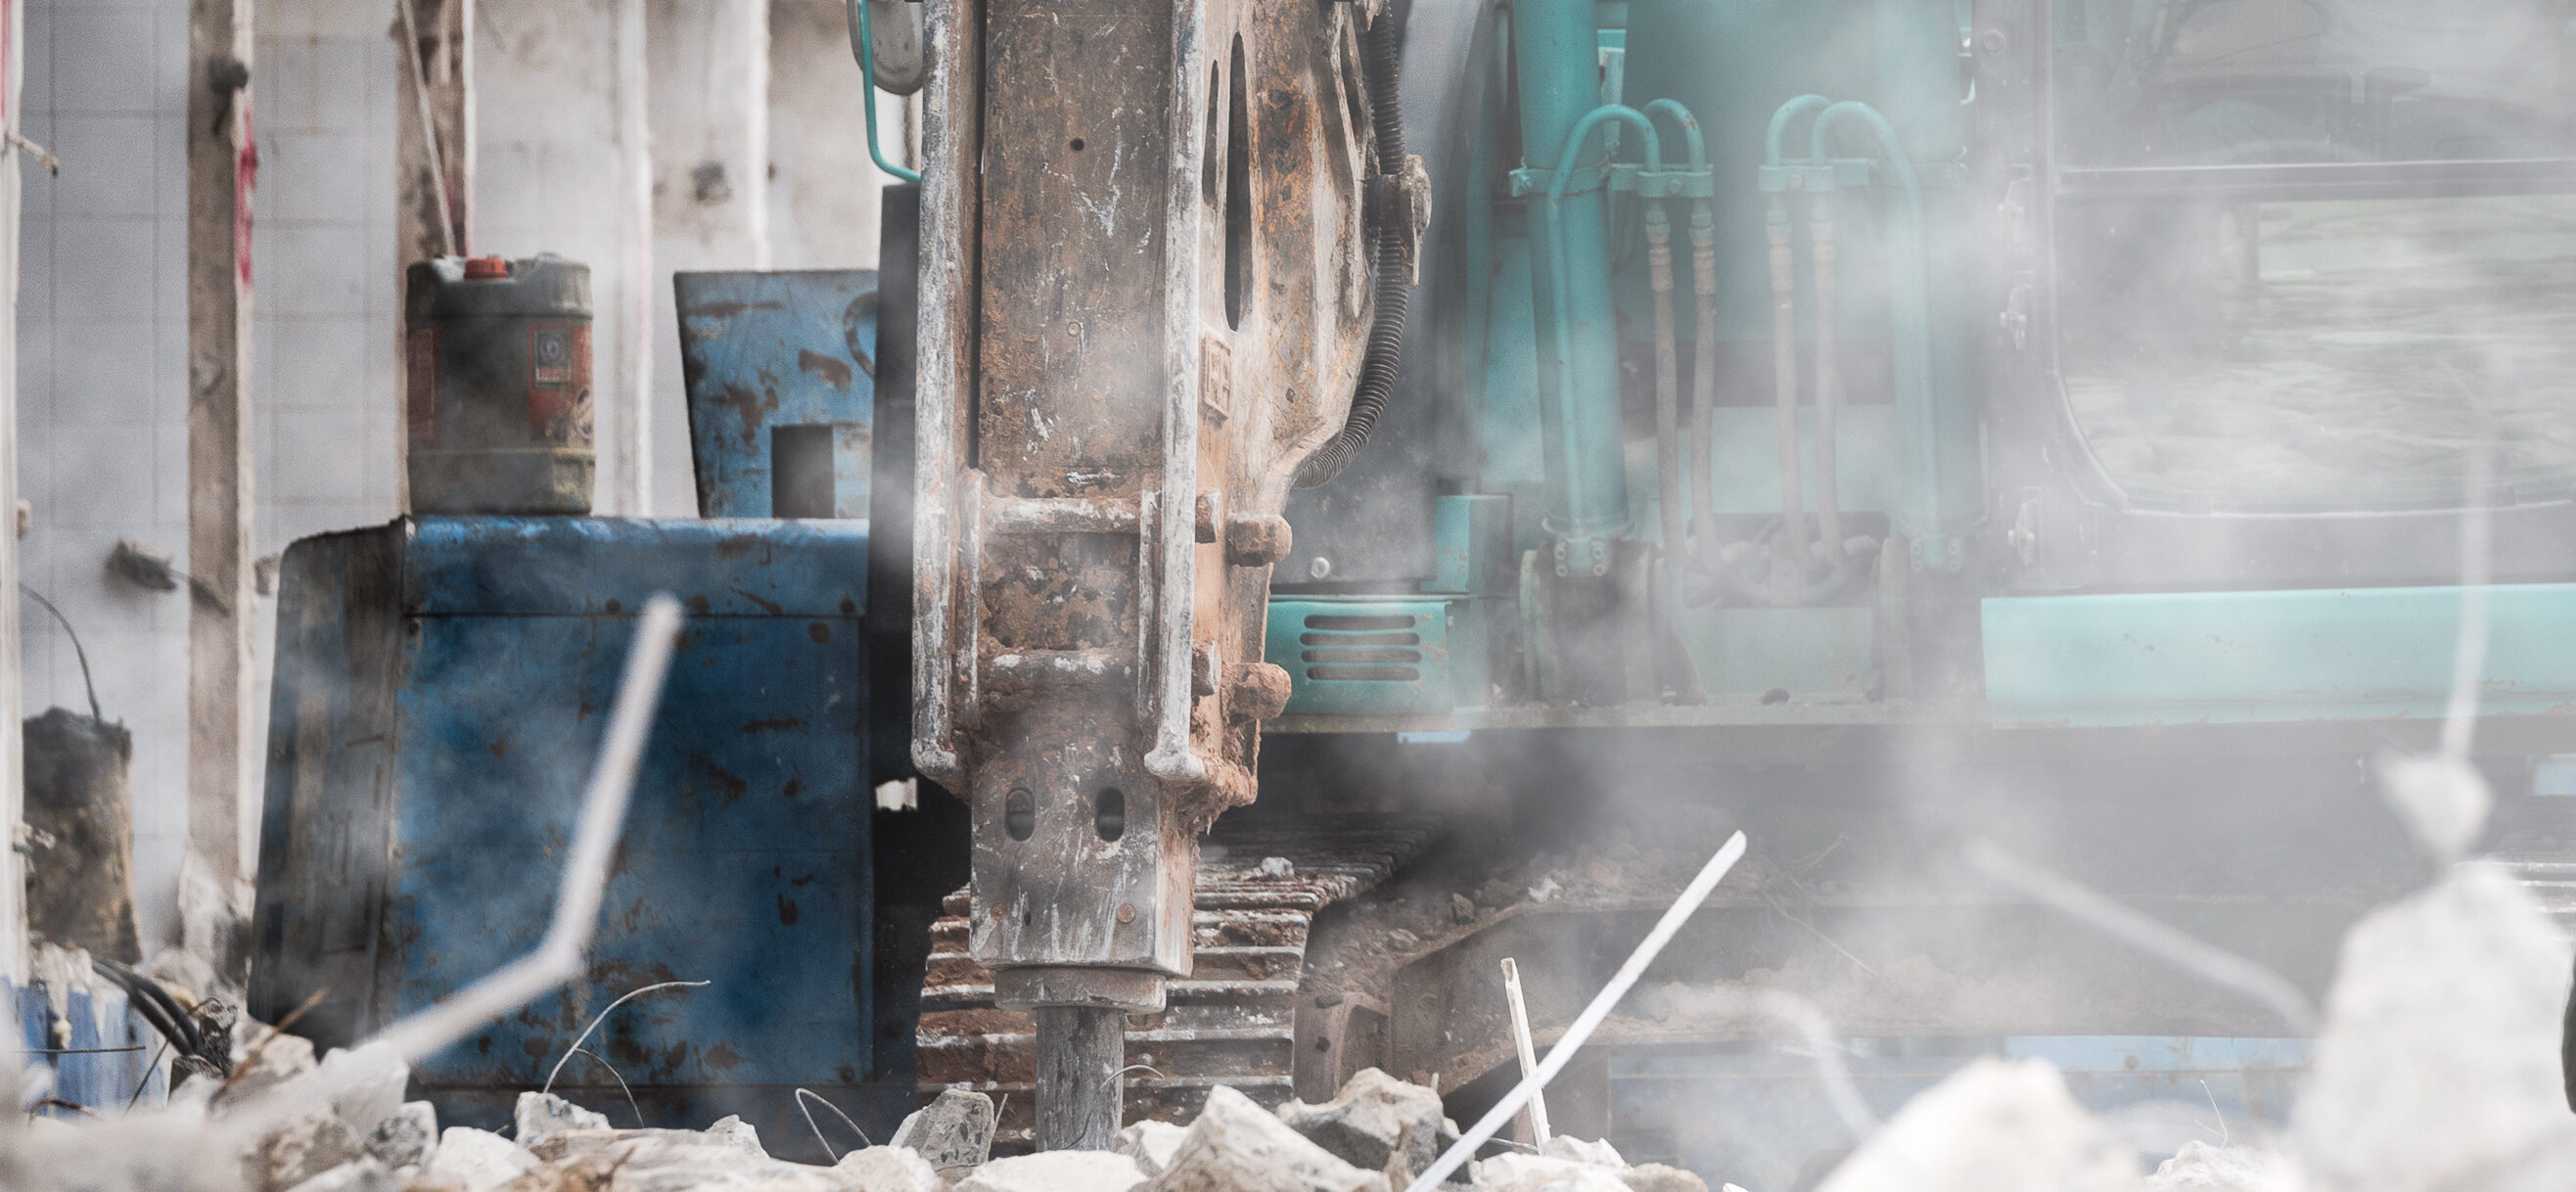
{"points": [[2542, 858], [1232, 1021]]}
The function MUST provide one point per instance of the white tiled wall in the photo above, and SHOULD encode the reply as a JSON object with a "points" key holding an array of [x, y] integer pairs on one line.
{"points": [[102, 405], [103, 331], [328, 294]]}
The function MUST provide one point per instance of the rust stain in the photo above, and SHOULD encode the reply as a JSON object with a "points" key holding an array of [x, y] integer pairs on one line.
{"points": [[727, 310], [772, 607], [500, 747], [786, 911], [752, 408], [731, 786], [824, 368], [723, 1058], [774, 724], [820, 632]]}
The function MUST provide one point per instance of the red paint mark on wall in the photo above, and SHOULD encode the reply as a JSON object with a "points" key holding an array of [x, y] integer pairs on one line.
{"points": [[245, 181]]}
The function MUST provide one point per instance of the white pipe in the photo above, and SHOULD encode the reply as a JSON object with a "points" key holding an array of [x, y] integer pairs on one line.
{"points": [[1588, 1021], [1529, 1051]]}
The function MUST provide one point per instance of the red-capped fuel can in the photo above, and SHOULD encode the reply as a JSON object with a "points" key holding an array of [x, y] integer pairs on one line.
{"points": [[497, 385]]}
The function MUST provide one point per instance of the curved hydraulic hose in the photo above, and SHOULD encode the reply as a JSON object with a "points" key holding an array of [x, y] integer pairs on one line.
{"points": [[865, 50], [1556, 251], [1909, 329], [1703, 235], [1829, 378], [1779, 130], [1791, 547], [1384, 61], [1668, 444]]}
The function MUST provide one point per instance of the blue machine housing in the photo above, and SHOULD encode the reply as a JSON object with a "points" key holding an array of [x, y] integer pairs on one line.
{"points": [[441, 691], [781, 375]]}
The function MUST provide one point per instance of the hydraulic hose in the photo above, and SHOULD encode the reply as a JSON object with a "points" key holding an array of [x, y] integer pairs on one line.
{"points": [[1790, 549], [1668, 445], [1384, 63], [1829, 380], [1703, 236]]}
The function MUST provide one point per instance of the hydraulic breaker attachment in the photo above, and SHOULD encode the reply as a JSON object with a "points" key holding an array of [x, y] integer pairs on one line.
{"points": [[1146, 295]]}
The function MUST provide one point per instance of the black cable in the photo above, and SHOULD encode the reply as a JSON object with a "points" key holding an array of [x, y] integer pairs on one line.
{"points": [[156, 1005], [1385, 65], [77, 651]]}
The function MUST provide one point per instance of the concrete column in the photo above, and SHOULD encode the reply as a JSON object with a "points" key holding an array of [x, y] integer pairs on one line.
{"points": [[708, 103], [13, 882], [223, 764], [433, 162]]}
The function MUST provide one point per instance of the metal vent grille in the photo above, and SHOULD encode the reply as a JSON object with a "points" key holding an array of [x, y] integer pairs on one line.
{"points": [[1361, 648]]}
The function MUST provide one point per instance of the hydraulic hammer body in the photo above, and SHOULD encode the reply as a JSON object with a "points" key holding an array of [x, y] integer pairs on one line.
{"points": [[1145, 299]]}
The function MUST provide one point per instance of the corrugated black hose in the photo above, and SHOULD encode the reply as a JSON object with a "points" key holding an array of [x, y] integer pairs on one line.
{"points": [[155, 1004], [1384, 61]]}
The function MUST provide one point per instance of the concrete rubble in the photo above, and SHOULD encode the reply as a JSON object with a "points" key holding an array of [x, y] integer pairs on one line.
{"points": [[953, 1132], [1237, 1146], [540, 1114], [1057, 1171], [2200, 1167], [1151, 1144], [2436, 1069], [1993, 1126], [1376, 1120]]}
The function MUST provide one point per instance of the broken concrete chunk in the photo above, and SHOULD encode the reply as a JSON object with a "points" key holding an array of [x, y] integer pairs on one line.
{"points": [[574, 1144], [952, 1132], [1374, 1118], [1151, 1144], [406, 1137], [267, 1060], [367, 1086], [1057, 1171], [477, 1160], [541, 1114], [668, 1161], [2439, 1058], [731, 1130], [2201, 1167], [1237, 1146], [1515, 1171], [357, 1175], [305, 1148], [1655, 1177], [1992, 1126], [1600, 1153], [888, 1169]]}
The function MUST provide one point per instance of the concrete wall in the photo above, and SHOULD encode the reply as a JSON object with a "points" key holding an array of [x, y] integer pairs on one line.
{"points": [[823, 189], [323, 373], [560, 127], [103, 344], [103, 337]]}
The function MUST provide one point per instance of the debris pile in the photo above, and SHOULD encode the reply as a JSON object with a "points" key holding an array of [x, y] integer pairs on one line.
{"points": [[1375, 1136]]}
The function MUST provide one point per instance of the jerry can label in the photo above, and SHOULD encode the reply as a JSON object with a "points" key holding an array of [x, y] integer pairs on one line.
{"points": [[559, 384], [420, 384]]}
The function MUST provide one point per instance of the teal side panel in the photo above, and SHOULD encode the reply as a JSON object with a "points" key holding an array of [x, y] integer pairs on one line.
{"points": [[2261, 657], [1807, 652]]}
